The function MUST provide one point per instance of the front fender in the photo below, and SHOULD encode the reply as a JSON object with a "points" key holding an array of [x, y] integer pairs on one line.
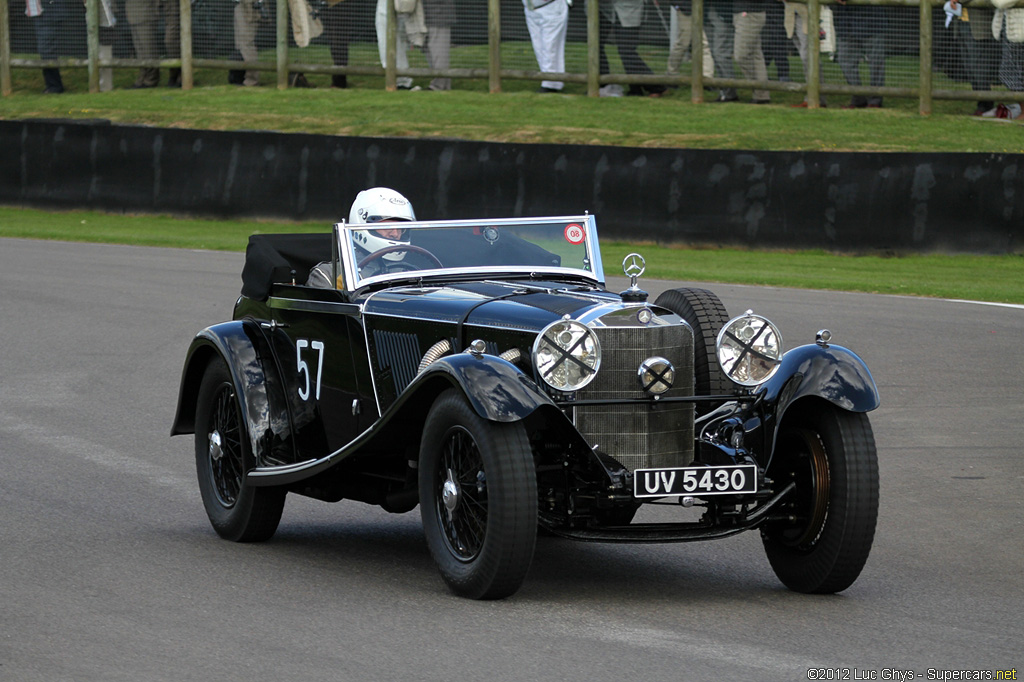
{"points": [[496, 389], [243, 347], [833, 373]]}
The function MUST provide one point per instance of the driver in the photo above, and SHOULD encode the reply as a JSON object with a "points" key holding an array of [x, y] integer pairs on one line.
{"points": [[376, 205]]}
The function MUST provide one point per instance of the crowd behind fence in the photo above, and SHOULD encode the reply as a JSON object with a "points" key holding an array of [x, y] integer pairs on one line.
{"points": [[864, 50]]}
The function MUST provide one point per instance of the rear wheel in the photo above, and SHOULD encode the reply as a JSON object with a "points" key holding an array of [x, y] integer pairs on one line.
{"points": [[830, 455], [237, 510], [478, 499]]}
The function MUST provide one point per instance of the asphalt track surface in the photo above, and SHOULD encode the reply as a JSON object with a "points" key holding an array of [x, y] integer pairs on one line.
{"points": [[109, 569]]}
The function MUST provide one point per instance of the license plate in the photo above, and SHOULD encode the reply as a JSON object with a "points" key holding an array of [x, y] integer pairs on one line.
{"points": [[696, 481]]}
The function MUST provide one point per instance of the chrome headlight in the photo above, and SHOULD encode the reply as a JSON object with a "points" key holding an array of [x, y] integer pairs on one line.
{"points": [[749, 349], [566, 355]]}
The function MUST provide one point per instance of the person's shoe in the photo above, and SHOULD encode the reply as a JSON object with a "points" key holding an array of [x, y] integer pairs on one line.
{"points": [[53, 90], [727, 98], [174, 78], [544, 91], [298, 80], [410, 88], [339, 81], [874, 106], [799, 105], [610, 90]]}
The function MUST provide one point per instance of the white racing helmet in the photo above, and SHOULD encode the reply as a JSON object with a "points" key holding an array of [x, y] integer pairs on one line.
{"points": [[377, 205]]}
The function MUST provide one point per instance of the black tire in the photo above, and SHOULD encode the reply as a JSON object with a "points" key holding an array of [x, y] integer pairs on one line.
{"points": [[830, 454], [237, 510], [703, 310], [483, 538]]}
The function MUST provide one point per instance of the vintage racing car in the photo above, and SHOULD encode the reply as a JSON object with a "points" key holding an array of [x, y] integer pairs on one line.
{"points": [[481, 370]]}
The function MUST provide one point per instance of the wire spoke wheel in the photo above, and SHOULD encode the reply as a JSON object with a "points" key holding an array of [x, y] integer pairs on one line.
{"points": [[237, 511], [478, 499], [462, 495], [225, 450]]}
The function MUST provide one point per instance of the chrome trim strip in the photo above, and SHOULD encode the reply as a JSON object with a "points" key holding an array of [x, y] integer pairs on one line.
{"points": [[338, 308]]}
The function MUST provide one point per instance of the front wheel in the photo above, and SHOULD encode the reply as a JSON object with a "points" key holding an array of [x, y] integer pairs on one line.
{"points": [[478, 499], [237, 511], [830, 455]]}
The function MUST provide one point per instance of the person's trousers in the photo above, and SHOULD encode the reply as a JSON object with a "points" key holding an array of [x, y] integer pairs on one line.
{"points": [[143, 20], [548, 26], [850, 49], [721, 38], [748, 53], [438, 50], [401, 47], [47, 29], [802, 44], [247, 22], [339, 23], [681, 42]]}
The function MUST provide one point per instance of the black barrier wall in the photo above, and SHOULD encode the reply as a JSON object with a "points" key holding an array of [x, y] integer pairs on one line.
{"points": [[839, 201]]}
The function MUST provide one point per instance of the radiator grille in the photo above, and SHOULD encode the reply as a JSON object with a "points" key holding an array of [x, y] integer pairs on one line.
{"points": [[640, 436]]}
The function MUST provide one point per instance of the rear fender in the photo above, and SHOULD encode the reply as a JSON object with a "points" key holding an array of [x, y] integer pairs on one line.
{"points": [[243, 347]]}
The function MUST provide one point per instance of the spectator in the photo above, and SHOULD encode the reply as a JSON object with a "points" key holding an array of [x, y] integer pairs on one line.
{"points": [[795, 22], [975, 53], [144, 19], [774, 42], [860, 34], [47, 20], [548, 22], [1008, 28], [248, 14], [625, 17], [981, 53], [681, 42], [409, 33], [718, 14], [339, 18], [439, 16], [749, 18]]}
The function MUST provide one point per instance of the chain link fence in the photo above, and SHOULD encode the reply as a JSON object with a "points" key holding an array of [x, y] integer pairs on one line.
{"points": [[861, 52]]}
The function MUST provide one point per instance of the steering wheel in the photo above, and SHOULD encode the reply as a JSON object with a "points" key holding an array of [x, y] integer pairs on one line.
{"points": [[392, 249]]}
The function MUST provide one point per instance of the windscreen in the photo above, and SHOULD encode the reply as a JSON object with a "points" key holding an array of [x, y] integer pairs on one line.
{"points": [[536, 246]]}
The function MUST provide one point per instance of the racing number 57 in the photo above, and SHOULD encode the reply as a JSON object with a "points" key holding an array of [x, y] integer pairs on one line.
{"points": [[303, 368]]}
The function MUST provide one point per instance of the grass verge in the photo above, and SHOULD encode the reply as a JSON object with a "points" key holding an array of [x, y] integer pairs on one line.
{"points": [[998, 278], [519, 115]]}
